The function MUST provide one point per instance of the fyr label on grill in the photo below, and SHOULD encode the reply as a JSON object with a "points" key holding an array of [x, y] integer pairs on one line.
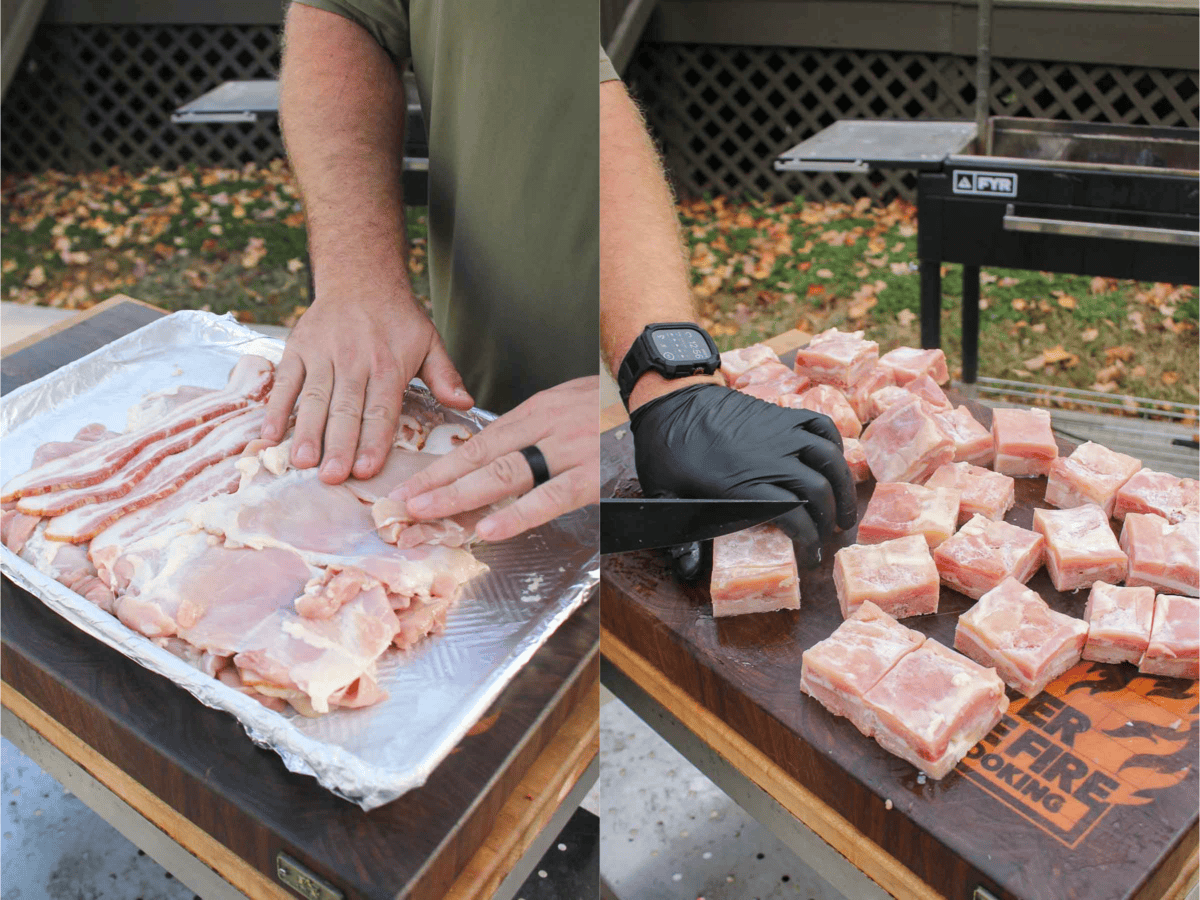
{"points": [[991, 184]]}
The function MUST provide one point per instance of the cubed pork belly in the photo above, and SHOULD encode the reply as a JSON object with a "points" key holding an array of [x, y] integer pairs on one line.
{"points": [[735, 363], [856, 459], [859, 394], [886, 397], [1162, 555], [972, 442], [984, 492], [897, 510], [906, 444], [898, 576], [828, 401], [837, 358], [1161, 493], [754, 571], [1023, 442], [908, 363], [839, 670], [770, 382], [1081, 548], [984, 553], [1119, 620], [1013, 629], [1174, 648], [927, 389], [1091, 474], [933, 706]]}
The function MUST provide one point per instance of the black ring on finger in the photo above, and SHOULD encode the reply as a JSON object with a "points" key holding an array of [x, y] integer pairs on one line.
{"points": [[537, 464]]}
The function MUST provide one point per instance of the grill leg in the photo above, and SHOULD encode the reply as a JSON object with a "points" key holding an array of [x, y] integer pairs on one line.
{"points": [[931, 303], [970, 323]]}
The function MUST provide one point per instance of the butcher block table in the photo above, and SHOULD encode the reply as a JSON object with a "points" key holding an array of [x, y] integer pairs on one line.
{"points": [[225, 817], [1086, 792]]}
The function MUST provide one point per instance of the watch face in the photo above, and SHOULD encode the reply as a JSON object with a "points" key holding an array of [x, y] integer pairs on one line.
{"points": [[680, 345]]}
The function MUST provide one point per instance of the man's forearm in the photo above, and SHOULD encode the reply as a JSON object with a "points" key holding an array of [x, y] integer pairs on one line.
{"points": [[643, 274], [342, 108]]}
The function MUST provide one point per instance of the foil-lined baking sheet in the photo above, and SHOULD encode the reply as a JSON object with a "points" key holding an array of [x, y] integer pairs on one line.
{"points": [[437, 690]]}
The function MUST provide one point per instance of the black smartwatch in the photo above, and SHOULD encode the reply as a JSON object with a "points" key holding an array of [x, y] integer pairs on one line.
{"points": [[673, 349]]}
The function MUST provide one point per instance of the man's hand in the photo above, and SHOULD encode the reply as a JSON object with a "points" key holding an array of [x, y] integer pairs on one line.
{"points": [[562, 422], [348, 361], [708, 441]]}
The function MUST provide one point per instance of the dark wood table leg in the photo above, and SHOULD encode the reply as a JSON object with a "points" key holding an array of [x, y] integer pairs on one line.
{"points": [[970, 323]]}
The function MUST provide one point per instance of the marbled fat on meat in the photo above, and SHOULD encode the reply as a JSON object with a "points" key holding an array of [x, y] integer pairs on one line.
{"points": [[984, 553], [933, 706], [1169, 496], [1023, 442], [906, 444], [897, 510], [737, 362], [828, 401], [754, 570], [839, 670], [1174, 648], [983, 492], [972, 442], [837, 358], [909, 363], [1081, 548], [859, 394], [856, 460], [898, 576], [1012, 629], [1091, 474], [1119, 621], [1162, 555]]}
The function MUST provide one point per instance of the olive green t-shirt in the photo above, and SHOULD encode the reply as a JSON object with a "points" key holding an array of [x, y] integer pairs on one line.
{"points": [[512, 112]]}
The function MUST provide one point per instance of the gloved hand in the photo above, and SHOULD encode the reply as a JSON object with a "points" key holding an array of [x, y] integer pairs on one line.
{"points": [[709, 441]]}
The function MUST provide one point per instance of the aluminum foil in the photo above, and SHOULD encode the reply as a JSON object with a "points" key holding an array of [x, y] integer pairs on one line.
{"points": [[436, 691]]}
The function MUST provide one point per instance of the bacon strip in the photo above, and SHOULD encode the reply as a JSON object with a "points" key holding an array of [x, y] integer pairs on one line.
{"points": [[249, 382], [225, 440], [125, 479]]}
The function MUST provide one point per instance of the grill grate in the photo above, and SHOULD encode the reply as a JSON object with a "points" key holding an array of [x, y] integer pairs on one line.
{"points": [[723, 113]]}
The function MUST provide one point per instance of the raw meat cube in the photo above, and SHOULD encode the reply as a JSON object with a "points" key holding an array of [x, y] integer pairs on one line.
{"points": [[1162, 555], [1091, 474], [828, 401], [972, 442], [860, 392], [1119, 620], [1081, 548], [1173, 498], [1013, 629], [856, 459], [984, 492], [837, 358], [1174, 648], [897, 510], [926, 388], [933, 706], [754, 571], [908, 363], [837, 671], [1023, 441], [737, 362], [897, 576], [984, 553], [906, 444], [886, 397], [770, 381]]}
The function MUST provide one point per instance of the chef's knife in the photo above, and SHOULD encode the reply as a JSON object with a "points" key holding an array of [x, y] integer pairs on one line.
{"points": [[642, 524]]}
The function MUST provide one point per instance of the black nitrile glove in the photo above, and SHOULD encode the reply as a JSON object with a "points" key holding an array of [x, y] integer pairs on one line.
{"points": [[709, 441]]}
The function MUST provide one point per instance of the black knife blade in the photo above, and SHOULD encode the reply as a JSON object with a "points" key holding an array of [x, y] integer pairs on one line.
{"points": [[643, 524]]}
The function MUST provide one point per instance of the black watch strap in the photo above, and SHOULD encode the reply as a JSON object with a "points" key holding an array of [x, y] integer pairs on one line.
{"points": [[644, 356]]}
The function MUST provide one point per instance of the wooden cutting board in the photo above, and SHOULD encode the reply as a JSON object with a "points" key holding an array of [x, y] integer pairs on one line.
{"points": [[203, 775], [1086, 792]]}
